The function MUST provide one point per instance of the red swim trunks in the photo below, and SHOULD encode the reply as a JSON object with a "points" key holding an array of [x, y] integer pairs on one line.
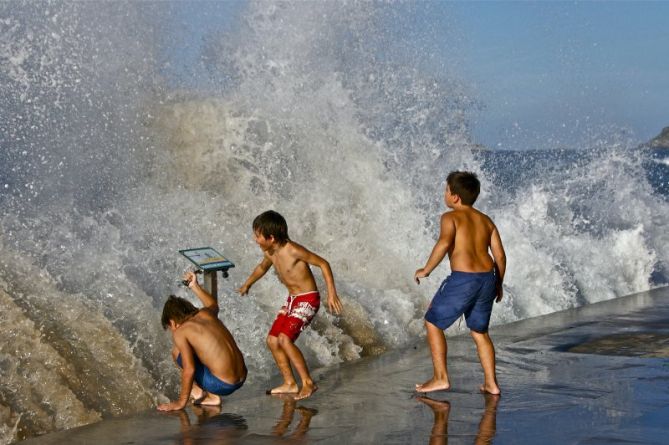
{"points": [[296, 314]]}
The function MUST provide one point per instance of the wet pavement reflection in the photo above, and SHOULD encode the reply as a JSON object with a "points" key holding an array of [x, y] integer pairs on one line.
{"points": [[211, 427], [282, 427], [441, 410], [550, 395]]}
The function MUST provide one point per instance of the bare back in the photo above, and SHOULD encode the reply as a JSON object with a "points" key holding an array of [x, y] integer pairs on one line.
{"points": [[472, 235], [214, 346]]}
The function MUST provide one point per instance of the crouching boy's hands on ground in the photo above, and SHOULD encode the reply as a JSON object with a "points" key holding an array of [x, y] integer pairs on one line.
{"points": [[243, 290], [171, 406]]}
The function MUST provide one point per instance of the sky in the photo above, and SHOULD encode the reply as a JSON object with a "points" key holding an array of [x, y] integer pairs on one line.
{"points": [[565, 69], [546, 74]]}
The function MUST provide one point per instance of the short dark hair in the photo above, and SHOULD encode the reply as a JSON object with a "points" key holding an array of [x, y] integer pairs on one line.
{"points": [[464, 184], [177, 309], [271, 223]]}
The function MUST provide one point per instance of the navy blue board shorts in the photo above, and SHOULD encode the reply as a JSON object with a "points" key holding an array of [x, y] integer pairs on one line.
{"points": [[468, 293], [208, 381]]}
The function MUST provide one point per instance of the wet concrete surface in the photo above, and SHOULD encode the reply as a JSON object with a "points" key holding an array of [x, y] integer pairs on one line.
{"points": [[551, 394]]}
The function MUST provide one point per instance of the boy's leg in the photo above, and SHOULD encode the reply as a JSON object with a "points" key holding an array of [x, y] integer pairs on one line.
{"points": [[438, 347], [297, 360], [197, 393], [486, 351], [282, 362]]}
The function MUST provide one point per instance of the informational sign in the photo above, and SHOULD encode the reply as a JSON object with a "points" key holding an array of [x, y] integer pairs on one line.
{"points": [[207, 259]]}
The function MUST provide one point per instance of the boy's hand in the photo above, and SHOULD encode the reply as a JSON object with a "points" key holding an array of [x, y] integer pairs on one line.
{"points": [[243, 290], [500, 293], [420, 273], [334, 303], [171, 406], [191, 278]]}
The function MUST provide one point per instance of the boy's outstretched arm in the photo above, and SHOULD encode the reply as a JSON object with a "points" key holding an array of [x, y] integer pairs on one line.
{"points": [[440, 249], [499, 257], [260, 270], [210, 303], [334, 304]]}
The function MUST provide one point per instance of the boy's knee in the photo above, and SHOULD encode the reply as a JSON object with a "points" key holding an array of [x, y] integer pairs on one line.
{"points": [[272, 341], [478, 336], [175, 353], [284, 340]]}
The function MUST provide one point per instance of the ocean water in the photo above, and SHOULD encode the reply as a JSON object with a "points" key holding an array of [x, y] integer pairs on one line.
{"points": [[108, 167]]}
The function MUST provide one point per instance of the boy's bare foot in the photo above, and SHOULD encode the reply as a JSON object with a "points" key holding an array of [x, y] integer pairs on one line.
{"points": [[197, 394], [286, 388], [434, 385], [208, 400], [493, 390], [307, 390]]}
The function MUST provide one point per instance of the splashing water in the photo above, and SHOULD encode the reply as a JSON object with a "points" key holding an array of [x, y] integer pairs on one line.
{"points": [[321, 112]]}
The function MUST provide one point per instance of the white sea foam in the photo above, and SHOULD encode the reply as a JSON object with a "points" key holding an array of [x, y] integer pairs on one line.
{"points": [[663, 161]]}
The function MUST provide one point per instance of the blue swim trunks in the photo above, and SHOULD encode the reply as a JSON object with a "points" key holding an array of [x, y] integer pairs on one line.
{"points": [[209, 382], [469, 293]]}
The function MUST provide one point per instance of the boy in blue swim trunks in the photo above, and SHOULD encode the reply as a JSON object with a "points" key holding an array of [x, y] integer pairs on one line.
{"points": [[466, 235], [211, 363]]}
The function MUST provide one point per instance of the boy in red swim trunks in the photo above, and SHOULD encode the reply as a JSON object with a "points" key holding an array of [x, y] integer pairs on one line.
{"points": [[291, 263]]}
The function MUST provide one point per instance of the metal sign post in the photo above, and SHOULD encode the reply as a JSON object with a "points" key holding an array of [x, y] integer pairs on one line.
{"points": [[211, 283], [209, 261]]}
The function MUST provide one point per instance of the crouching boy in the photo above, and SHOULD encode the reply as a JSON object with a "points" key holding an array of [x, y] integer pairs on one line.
{"points": [[211, 363]]}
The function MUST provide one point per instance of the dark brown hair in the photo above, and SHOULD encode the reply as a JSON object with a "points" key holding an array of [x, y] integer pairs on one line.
{"points": [[271, 223], [464, 184], [177, 309]]}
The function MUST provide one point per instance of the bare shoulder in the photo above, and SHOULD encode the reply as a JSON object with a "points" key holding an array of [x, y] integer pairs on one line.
{"points": [[183, 332], [486, 219], [295, 249], [205, 314], [449, 221], [448, 217], [301, 253]]}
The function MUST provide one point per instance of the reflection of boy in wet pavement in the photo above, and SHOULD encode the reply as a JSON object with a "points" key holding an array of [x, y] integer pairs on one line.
{"points": [[466, 235], [289, 408], [291, 263], [211, 363], [441, 410], [213, 427]]}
